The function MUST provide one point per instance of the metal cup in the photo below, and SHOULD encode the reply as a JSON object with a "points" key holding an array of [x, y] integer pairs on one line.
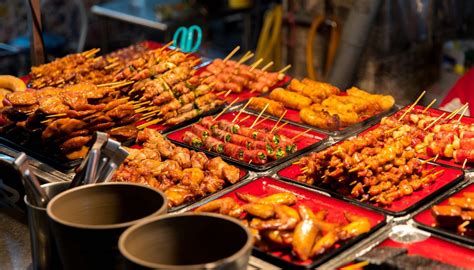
{"points": [[43, 248], [187, 241], [87, 221]]}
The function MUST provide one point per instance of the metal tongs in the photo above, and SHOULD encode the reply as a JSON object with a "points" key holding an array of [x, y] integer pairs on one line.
{"points": [[35, 194], [104, 158]]}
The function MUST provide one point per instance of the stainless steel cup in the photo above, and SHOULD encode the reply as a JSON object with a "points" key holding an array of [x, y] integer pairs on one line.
{"points": [[187, 241], [43, 248], [87, 221]]}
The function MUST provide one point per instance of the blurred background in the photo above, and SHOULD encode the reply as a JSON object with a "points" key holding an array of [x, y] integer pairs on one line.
{"points": [[399, 47]]}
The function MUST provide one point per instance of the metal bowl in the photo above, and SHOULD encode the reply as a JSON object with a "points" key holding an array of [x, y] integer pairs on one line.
{"points": [[187, 241]]}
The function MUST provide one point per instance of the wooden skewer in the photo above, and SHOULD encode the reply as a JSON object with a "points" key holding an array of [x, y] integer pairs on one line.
{"points": [[412, 106], [336, 152], [254, 65], [464, 164], [267, 66], [278, 122], [436, 157], [245, 58], [261, 120], [428, 160], [283, 70], [166, 46], [245, 118], [220, 93], [429, 105], [111, 66], [353, 183], [234, 51], [46, 121], [227, 93], [356, 266], [434, 121], [302, 133], [121, 85], [392, 129], [241, 110], [155, 112], [142, 126], [90, 52], [462, 114], [56, 115], [110, 84], [453, 113], [137, 105], [225, 109], [278, 128], [296, 162], [259, 115], [146, 109]]}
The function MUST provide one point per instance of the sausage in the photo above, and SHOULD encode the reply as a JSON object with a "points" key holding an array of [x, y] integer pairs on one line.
{"points": [[290, 99]]}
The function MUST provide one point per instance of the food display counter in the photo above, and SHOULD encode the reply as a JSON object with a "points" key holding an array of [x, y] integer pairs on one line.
{"points": [[312, 172]]}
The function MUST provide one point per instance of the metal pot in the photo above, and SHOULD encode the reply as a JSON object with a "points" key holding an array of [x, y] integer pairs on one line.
{"points": [[87, 221], [187, 241]]}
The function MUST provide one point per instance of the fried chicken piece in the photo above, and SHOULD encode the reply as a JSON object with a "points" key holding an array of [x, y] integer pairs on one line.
{"points": [[259, 210], [305, 233], [52, 105], [198, 160], [224, 206], [283, 198], [74, 143], [124, 133], [221, 169], [211, 184], [178, 194], [62, 127], [286, 218]]}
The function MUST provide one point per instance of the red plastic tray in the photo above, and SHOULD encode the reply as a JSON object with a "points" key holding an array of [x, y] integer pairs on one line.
{"points": [[404, 205], [436, 113], [304, 142], [425, 220], [265, 186], [245, 95], [438, 249]]}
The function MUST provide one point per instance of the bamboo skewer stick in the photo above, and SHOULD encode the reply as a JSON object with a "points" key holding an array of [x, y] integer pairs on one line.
{"points": [[166, 46], [462, 114], [267, 66], [261, 120], [453, 113], [243, 119], [234, 51], [121, 85], [56, 115], [111, 65], [464, 164], [428, 160], [225, 109], [241, 110], [147, 124], [90, 52], [412, 106], [259, 115], [255, 65], [278, 122], [227, 93], [429, 105], [110, 84], [434, 121], [302, 133], [245, 58], [282, 125], [356, 266], [283, 70], [436, 157], [392, 129]]}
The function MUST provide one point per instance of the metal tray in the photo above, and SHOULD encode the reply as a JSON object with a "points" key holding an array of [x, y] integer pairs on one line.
{"points": [[426, 221], [305, 143], [265, 186], [401, 207]]}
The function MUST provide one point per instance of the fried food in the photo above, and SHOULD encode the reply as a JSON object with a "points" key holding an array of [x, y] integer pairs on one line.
{"points": [[290, 99], [316, 91], [274, 107]]}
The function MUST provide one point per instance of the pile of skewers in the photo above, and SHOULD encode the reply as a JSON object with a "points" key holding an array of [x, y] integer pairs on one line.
{"points": [[230, 76], [62, 120], [321, 105], [278, 223], [246, 144], [83, 67], [442, 136], [183, 175], [375, 167], [457, 215]]}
